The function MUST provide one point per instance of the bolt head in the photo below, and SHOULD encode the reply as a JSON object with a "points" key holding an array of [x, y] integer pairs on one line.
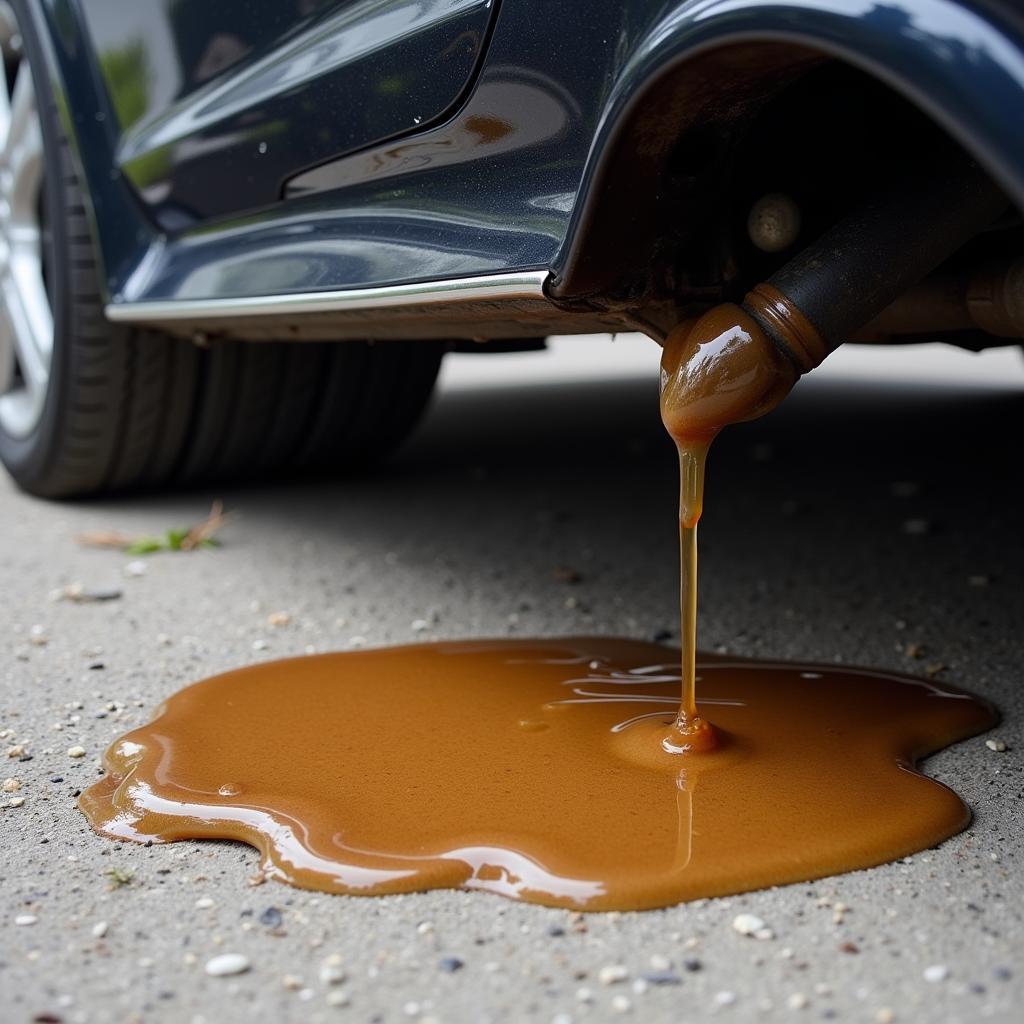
{"points": [[774, 222]]}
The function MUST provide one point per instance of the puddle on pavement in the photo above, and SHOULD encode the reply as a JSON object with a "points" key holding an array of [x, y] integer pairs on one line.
{"points": [[590, 773], [534, 769]]}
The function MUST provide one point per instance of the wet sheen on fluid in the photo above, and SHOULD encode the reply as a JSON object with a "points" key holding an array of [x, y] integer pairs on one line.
{"points": [[534, 769]]}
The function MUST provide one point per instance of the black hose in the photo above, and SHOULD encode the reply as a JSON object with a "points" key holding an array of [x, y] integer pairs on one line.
{"points": [[889, 243]]}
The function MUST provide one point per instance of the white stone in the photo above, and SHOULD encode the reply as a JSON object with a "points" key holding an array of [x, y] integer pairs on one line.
{"points": [[751, 924], [331, 972], [936, 972], [227, 964], [612, 974]]}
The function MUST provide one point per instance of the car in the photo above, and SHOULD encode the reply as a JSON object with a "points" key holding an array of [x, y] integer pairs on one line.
{"points": [[237, 237]]}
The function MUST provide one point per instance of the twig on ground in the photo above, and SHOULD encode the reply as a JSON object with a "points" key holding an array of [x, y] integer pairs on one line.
{"points": [[201, 535]]}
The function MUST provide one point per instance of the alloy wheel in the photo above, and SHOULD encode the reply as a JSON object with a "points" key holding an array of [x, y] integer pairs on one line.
{"points": [[26, 319]]}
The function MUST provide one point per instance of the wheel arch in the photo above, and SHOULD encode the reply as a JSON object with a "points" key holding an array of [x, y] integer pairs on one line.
{"points": [[960, 66]]}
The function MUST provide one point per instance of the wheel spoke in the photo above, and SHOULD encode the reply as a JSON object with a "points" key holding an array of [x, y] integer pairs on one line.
{"points": [[8, 32], [26, 317], [22, 137], [20, 406], [24, 163]]}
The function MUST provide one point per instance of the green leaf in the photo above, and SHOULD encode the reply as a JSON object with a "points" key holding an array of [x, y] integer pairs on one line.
{"points": [[175, 538], [145, 546]]}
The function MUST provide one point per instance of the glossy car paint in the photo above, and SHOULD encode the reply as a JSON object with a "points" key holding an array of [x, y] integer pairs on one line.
{"points": [[270, 90], [502, 183]]}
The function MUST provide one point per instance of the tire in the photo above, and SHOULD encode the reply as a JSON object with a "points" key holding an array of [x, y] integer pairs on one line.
{"points": [[127, 408]]}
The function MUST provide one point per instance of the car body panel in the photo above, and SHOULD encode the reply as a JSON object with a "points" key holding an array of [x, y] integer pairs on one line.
{"points": [[219, 104], [506, 182]]}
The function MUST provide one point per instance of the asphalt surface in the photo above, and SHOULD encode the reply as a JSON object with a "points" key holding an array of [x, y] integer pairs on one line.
{"points": [[866, 521]]}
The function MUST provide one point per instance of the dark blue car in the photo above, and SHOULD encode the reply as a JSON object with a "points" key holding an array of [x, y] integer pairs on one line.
{"points": [[237, 236]]}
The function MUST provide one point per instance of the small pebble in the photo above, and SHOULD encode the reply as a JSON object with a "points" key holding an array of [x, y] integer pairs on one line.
{"points": [[339, 997], [662, 978], [751, 924], [16, 801], [278, 619], [691, 964], [227, 964], [136, 568], [99, 929], [25, 919], [996, 744], [725, 998], [76, 751], [612, 974], [204, 903], [450, 964], [797, 1001], [936, 972], [419, 625], [621, 1004], [331, 971], [11, 785], [271, 917]]}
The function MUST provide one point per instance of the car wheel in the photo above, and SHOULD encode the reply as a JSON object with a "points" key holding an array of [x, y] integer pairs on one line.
{"points": [[87, 407]]}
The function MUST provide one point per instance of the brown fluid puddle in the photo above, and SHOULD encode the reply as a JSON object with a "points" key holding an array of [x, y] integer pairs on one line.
{"points": [[591, 773], [533, 769]]}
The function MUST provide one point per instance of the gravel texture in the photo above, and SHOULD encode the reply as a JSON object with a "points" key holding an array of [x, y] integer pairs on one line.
{"points": [[869, 523]]}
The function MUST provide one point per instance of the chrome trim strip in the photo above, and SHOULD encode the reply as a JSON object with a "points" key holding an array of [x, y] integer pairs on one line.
{"points": [[490, 287]]}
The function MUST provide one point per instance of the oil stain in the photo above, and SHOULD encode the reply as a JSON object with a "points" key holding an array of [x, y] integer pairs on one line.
{"points": [[533, 769]]}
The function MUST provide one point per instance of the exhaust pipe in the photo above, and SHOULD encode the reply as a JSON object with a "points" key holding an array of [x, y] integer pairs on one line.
{"points": [[989, 299]]}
